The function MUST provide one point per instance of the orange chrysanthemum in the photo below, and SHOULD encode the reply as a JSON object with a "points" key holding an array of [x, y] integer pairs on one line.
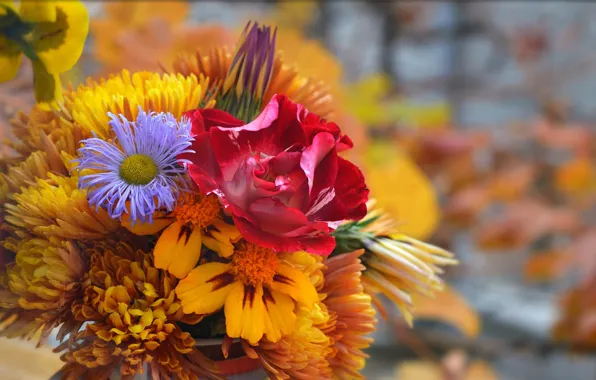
{"points": [[131, 312], [355, 318]]}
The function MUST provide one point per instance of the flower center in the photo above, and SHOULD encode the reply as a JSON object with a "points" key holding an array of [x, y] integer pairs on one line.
{"points": [[199, 210], [138, 169], [255, 265]]}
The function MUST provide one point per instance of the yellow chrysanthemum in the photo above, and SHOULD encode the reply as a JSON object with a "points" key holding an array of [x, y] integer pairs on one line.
{"points": [[258, 290], [131, 310], [85, 110], [46, 277], [56, 207]]}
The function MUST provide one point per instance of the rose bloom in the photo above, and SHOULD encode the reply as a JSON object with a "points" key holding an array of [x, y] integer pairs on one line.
{"points": [[279, 176]]}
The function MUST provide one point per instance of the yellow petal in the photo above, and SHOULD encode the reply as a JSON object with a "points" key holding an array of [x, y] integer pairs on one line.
{"points": [[59, 44], [280, 312], [10, 59], [38, 11], [143, 229], [205, 289], [245, 313], [178, 249], [48, 88], [221, 237], [294, 283]]}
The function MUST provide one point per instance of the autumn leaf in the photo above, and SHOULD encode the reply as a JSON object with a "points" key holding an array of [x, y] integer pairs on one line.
{"points": [[547, 266], [577, 322], [463, 207], [576, 177], [450, 307], [523, 222], [574, 137], [582, 253], [511, 183]]}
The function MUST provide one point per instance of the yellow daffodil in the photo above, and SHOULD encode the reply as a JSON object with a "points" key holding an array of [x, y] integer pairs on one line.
{"points": [[50, 33]]}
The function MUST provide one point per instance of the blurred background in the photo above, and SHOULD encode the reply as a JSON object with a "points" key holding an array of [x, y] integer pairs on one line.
{"points": [[475, 123]]}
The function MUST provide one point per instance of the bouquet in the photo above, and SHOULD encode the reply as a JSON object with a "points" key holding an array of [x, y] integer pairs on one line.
{"points": [[169, 224]]}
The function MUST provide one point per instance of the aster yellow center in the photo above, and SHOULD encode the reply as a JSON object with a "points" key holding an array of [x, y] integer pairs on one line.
{"points": [[200, 211], [254, 265], [138, 169]]}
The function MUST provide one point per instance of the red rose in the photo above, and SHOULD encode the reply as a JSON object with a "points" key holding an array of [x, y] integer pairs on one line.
{"points": [[279, 176]]}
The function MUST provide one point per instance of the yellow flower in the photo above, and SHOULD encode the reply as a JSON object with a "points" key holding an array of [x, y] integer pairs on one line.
{"points": [[50, 33], [85, 110], [46, 276], [57, 207], [258, 290], [198, 221]]}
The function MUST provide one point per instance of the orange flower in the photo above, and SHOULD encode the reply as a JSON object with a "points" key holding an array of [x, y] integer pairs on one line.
{"points": [[131, 312], [354, 316]]}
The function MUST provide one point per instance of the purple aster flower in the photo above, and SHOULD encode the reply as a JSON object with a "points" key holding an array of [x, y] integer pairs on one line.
{"points": [[138, 172]]}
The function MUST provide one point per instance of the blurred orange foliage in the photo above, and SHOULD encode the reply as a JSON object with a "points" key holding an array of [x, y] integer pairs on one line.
{"points": [[139, 35]]}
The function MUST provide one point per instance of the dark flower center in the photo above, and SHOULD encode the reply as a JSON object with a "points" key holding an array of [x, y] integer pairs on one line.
{"points": [[138, 169]]}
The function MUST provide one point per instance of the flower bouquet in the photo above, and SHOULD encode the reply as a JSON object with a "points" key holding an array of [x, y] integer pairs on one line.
{"points": [[198, 224]]}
